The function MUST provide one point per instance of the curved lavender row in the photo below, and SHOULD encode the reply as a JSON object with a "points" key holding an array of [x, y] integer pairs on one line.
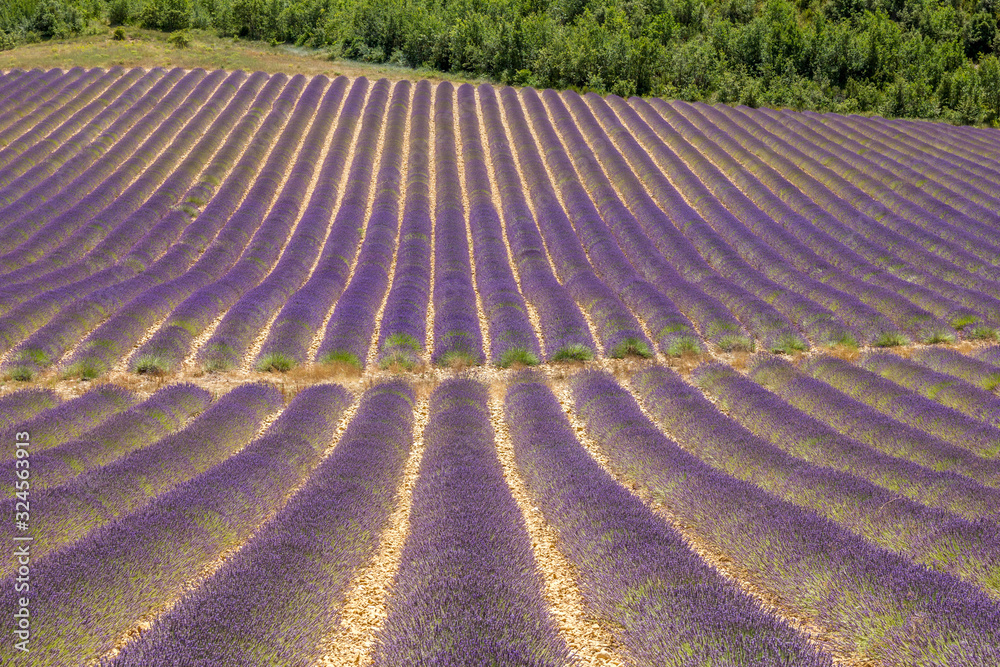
{"points": [[980, 404], [142, 203], [950, 147], [939, 178], [814, 239], [982, 138], [512, 336], [762, 299], [169, 345], [769, 417], [302, 315], [36, 112], [139, 426], [39, 122], [637, 574], [200, 520], [954, 264], [878, 316], [929, 536], [58, 205], [671, 329], [352, 324], [978, 142], [403, 331], [34, 187], [106, 213], [920, 210], [615, 325], [457, 333], [22, 405], [119, 333], [764, 237], [82, 305], [468, 591], [776, 319], [45, 141], [19, 155], [867, 425], [710, 300], [563, 327], [49, 85], [70, 419], [248, 317], [11, 81], [950, 168], [990, 355], [978, 373], [851, 226], [905, 406], [271, 603], [867, 600], [145, 222], [109, 188], [31, 80], [848, 207], [68, 157], [104, 494], [9, 78], [46, 202]]}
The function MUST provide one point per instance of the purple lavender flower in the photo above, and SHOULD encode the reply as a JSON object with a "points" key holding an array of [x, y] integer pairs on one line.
{"points": [[467, 591]]}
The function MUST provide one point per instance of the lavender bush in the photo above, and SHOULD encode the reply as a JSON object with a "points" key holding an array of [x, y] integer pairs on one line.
{"points": [[352, 324], [402, 332], [271, 603], [773, 419], [868, 599], [156, 551], [668, 607], [98, 497], [867, 425], [467, 591], [163, 413]]}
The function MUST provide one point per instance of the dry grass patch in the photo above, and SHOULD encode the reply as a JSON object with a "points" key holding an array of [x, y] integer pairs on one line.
{"points": [[149, 48]]}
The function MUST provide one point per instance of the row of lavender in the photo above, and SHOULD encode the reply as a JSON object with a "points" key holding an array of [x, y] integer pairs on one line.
{"points": [[85, 292], [131, 477], [663, 225], [467, 569]]}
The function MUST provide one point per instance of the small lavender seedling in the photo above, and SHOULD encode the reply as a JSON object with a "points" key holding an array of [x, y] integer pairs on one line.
{"points": [[341, 357], [517, 355], [684, 345], [151, 365], [276, 362], [736, 343], [574, 352], [631, 347], [890, 339]]}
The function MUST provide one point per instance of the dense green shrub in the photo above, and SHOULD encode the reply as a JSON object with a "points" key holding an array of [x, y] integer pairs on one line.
{"points": [[56, 19], [166, 15]]}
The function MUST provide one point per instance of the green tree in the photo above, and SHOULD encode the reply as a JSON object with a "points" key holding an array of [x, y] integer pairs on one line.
{"points": [[989, 83], [166, 15]]}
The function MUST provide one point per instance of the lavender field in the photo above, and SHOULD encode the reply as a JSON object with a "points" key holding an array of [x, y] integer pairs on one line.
{"points": [[346, 372]]}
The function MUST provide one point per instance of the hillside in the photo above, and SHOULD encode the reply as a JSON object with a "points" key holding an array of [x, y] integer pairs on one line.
{"points": [[310, 370], [934, 59]]}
